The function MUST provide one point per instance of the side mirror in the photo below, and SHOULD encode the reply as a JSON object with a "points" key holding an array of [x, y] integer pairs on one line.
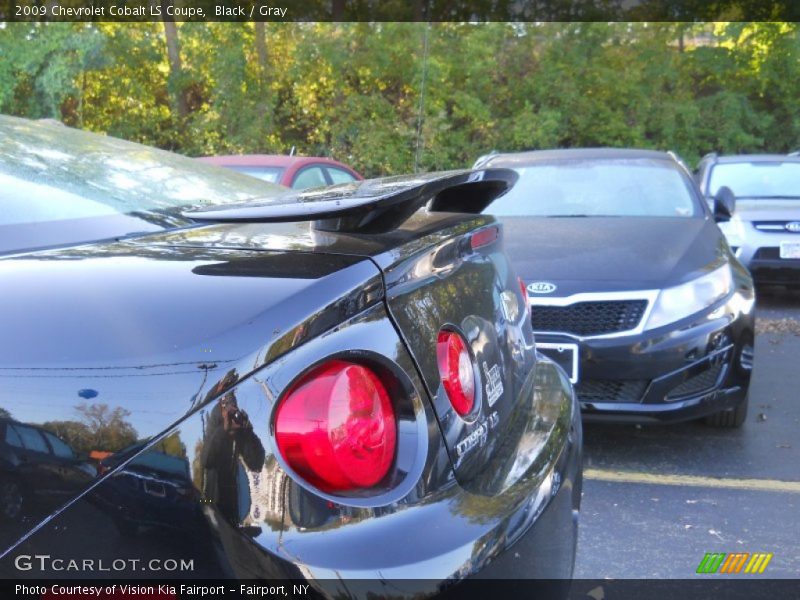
{"points": [[724, 204]]}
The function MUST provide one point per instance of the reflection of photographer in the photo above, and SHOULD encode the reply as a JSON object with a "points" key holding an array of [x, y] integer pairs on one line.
{"points": [[234, 419], [229, 438]]}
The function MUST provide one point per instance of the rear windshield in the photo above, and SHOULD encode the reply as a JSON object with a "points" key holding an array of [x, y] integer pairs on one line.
{"points": [[62, 185], [598, 188], [757, 179], [271, 174]]}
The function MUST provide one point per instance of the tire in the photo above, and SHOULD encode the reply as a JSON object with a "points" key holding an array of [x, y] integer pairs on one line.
{"points": [[12, 500], [729, 419]]}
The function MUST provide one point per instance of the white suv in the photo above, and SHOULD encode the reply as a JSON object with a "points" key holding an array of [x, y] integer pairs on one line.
{"points": [[764, 230]]}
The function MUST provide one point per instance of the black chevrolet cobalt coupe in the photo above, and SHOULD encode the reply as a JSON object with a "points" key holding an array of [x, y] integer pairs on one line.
{"points": [[632, 287], [337, 387]]}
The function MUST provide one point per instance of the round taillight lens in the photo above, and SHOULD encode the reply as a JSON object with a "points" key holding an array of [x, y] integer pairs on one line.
{"points": [[456, 371], [336, 427]]}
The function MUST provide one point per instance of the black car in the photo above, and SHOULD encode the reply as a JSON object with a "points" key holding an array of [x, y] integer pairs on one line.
{"points": [[152, 489], [349, 373], [38, 471], [632, 286]]}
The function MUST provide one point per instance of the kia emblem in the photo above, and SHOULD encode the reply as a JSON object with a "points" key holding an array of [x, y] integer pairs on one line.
{"points": [[541, 287]]}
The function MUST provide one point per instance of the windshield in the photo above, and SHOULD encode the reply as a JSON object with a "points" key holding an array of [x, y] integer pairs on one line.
{"points": [[271, 174], [61, 185], [774, 179], [597, 188]]}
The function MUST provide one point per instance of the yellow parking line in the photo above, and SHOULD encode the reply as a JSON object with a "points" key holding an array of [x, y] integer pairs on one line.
{"points": [[758, 485]]}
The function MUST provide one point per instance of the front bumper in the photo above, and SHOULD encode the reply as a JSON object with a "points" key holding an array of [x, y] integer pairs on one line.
{"points": [[759, 251], [777, 271], [686, 370]]}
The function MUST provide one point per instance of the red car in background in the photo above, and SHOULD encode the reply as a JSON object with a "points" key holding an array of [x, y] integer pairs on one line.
{"points": [[297, 172]]}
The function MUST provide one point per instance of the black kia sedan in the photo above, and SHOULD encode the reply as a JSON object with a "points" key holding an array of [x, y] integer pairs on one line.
{"points": [[632, 287], [336, 387]]}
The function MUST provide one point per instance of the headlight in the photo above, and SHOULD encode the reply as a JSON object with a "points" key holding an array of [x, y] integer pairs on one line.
{"points": [[733, 231], [691, 297]]}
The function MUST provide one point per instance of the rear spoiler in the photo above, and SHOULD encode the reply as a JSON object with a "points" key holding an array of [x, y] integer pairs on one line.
{"points": [[374, 205]]}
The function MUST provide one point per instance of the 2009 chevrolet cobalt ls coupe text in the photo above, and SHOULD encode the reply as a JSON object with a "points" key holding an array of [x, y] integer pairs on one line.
{"points": [[632, 285], [337, 386]]}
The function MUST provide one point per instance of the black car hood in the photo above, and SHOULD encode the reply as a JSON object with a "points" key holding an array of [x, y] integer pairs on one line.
{"points": [[154, 329], [610, 253], [115, 342]]}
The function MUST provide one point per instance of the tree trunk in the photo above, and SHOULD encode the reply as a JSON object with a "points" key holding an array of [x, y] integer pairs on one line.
{"points": [[261, 49], [337, 14], [420, 12], [174, 57]]}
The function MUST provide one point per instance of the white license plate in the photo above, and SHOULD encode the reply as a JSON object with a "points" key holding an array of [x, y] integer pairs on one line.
{"points": [[564, 355], [790, 249]]}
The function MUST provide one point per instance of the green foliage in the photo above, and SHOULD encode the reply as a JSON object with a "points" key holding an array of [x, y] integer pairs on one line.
{"points": [[44, 66], [99, 428], [354, 90], [171, 445], [74, 433]]}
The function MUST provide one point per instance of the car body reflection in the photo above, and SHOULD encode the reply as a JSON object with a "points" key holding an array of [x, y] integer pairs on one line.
{"points": [[152, 490], [38, 470]]}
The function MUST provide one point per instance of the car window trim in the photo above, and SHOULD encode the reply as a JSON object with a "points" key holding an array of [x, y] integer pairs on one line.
{"points": [[47, 435], [338, 168], [10, 427], [320, 166], [19, 427]]}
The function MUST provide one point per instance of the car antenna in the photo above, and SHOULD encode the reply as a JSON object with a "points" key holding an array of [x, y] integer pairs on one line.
{"points": [[291, 152], [418, 149]]}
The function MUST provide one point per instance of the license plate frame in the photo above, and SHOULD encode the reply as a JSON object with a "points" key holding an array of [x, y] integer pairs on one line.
{"points": [[154, 488], [790, 250], [564, 355]]}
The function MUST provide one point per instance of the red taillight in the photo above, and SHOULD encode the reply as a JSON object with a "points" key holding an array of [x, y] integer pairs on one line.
{"points": [[484, 237], [336, 427], [456, 371]]}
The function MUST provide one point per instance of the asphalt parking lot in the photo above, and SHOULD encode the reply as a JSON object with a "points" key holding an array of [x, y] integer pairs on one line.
{"points": [[656, 499]]}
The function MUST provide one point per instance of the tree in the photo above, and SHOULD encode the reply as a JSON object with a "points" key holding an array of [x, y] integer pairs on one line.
{"points": [[42, 71], [75, 433], [109, 428], [171, 445], [174, 58], [354, 90]]}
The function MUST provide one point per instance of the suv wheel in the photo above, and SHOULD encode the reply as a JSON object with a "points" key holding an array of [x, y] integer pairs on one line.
{"points": [[731, 418]]}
